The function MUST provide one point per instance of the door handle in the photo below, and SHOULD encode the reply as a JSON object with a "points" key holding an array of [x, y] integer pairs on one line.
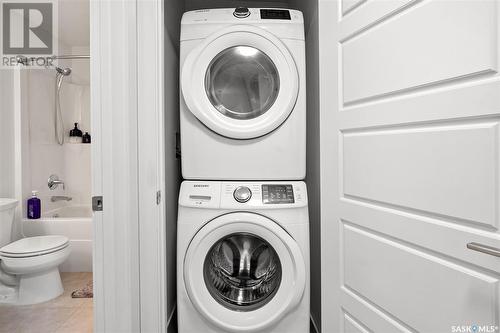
{"points": [[493, 251]]}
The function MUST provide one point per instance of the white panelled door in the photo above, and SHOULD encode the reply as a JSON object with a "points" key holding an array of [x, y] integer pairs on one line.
{"points": [[410, 107]]}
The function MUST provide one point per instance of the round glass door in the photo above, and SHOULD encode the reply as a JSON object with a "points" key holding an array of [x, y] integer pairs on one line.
{"points": [[242, 272], [242, 82], [240, 91]]}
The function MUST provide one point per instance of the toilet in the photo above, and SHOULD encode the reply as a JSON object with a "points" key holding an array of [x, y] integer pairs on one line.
{"points": [[29, 272]]}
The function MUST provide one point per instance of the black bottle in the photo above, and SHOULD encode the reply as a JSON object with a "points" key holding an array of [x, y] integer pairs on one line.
{"points": [[86, 138], [75, 131]]}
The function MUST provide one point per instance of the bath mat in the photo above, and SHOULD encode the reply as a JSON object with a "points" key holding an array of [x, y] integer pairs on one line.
{"points": [[85, 292]]}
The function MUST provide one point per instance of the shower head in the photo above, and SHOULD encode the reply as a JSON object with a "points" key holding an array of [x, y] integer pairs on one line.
{"points": [[64, 71]]}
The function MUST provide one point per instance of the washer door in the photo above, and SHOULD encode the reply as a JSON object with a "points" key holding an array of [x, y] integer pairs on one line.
{"points": [[241, 82], [243, 272]]}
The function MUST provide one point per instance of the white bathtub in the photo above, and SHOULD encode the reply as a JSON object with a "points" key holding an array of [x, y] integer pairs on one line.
{"points": [[74, 222], [76, 211]]}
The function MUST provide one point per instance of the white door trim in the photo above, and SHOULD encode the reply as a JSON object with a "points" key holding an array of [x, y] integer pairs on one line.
{"points": [[151, 163], [96, 153], [329, 166]]}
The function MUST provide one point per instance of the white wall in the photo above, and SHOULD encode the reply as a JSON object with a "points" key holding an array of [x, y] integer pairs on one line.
{"points": [[74, 22], [7, 171]]}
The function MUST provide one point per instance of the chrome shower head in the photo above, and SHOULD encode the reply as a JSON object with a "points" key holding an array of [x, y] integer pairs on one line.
{"points": [[64, 71]]}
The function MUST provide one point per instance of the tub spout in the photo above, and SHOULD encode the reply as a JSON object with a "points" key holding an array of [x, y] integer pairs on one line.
{"points": [[60, 198]]}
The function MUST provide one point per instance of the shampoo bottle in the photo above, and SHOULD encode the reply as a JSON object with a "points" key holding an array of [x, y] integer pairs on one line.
{"points": [[34, 206], [86, 138], [75, 135]]}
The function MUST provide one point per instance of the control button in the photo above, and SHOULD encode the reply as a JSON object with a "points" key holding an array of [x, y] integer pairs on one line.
{"points": [[241, 12], [242, 194]]}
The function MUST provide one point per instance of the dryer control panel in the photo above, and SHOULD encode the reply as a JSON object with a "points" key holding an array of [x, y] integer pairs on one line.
{"points": [[275, 14], [243, 15], [234, 195]]}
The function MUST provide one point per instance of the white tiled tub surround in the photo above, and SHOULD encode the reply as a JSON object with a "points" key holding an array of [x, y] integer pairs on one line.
{"points": [[42, 156]]}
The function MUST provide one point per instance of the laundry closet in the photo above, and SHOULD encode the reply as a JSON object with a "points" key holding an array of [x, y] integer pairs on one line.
{"points": [[173, 13], [401, 167]]}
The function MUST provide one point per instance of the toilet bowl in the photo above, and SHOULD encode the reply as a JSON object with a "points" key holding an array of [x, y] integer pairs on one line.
{"points": [[29, 271]]}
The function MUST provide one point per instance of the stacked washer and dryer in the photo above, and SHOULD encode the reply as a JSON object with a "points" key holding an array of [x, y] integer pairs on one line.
{"points": [[243, 226]]}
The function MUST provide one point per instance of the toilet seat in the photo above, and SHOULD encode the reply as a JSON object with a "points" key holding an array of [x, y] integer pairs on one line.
{"points": [[34, 246]]}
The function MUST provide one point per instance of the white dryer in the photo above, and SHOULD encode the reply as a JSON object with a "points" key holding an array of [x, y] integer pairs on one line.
{"points": [[243, 94], [243, 257]]}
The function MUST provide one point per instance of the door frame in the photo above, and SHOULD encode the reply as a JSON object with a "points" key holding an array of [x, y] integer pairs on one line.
{"points": [[329, 86], [127, 165], [151, 163]]}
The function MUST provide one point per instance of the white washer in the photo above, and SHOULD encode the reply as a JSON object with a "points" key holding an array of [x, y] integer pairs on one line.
{"points": [[243, 257], [243, 94]]}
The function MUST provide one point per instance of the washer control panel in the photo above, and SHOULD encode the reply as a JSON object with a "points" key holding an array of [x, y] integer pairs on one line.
{"points": [[266, 195], [277, 194], [243, 195]]}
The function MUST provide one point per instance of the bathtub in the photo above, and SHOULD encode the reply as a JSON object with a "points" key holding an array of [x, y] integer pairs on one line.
{"points": [[74, 222]]}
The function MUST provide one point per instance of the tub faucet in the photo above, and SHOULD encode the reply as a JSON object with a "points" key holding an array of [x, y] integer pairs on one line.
{"points": [[60, 198], [54, 181]]}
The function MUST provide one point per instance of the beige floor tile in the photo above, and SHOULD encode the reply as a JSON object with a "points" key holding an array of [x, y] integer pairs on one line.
{"points": [[87, 302], [43, 319], [80, 322], [9, 319], [64, 313]]}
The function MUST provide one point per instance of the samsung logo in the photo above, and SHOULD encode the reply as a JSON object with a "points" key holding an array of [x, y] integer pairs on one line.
{"points": [[201, 185]]}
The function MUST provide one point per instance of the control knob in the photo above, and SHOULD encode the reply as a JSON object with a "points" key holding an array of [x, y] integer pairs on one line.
{"points": [[242, 194], [241, 12]]}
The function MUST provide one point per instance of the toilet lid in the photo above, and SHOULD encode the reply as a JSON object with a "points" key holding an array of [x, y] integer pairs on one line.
{"points": [[31, 246]]}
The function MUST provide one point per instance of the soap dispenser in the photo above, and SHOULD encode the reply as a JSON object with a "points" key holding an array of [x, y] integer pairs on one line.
{"points": [[34, 206], [86, 138], [75, 135]]}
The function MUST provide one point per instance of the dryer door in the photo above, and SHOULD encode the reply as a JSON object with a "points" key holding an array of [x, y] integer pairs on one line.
{"points": [[241, 82], [243, 272]]}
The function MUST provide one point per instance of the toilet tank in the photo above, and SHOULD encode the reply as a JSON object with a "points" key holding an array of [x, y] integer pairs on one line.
{"points": [[7, 208]]}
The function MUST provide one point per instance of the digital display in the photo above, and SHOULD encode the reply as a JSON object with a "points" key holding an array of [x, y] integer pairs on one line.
{"points": [[277, 194], [274, 14]]}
